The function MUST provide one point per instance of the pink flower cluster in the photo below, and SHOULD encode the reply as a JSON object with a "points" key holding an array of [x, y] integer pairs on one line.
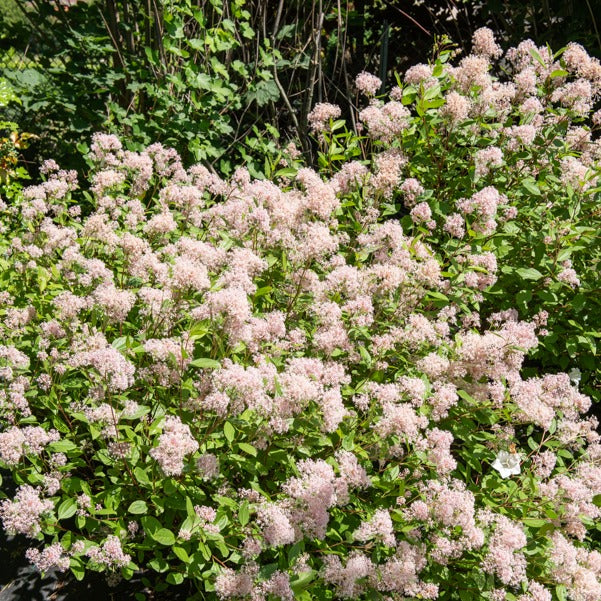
{"points": [[16, 442], [51, 557], [321, 115], [23, 515], [109, 554], [174, 444]]}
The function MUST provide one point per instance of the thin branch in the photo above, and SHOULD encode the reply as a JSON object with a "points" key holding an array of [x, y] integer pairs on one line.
{"points": [[408, 16]]}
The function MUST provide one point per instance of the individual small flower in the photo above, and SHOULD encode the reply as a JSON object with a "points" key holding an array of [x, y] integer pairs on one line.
{"points": [[507, 464]]}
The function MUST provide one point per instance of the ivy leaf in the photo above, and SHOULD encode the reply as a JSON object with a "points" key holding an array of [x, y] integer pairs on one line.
{"points": [[264, 93]]}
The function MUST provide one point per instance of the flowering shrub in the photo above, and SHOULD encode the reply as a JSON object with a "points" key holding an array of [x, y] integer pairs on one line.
{"points": [[502, 157], [274, 389]]}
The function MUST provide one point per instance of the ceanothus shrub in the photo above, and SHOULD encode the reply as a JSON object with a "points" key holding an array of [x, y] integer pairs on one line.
{"points": [[270, 390], [494, 154]]}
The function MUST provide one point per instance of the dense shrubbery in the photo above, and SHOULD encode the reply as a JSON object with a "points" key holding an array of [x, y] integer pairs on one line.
{"points": [[506, 166], [197, 78], [311, 388], [218, 79]]}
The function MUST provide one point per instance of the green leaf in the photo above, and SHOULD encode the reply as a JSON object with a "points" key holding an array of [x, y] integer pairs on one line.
{"points": [[62, 446], [67, 509], [205, 551], [138, 507], [531, 186], [205, 363], [244, 513], [538, 57], [264, 93], [77, 568], [175, 578], [534, 522], [229, 431], [365, 355], [141, 476], [120, 343], [247, 448], [164, 536], [529, 273], [190, 508], [150, 525], [159, 564], [181, 553], [302, 581]]}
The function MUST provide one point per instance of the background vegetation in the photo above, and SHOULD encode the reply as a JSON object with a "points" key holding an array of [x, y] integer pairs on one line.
{"points": [[222, 81]]}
